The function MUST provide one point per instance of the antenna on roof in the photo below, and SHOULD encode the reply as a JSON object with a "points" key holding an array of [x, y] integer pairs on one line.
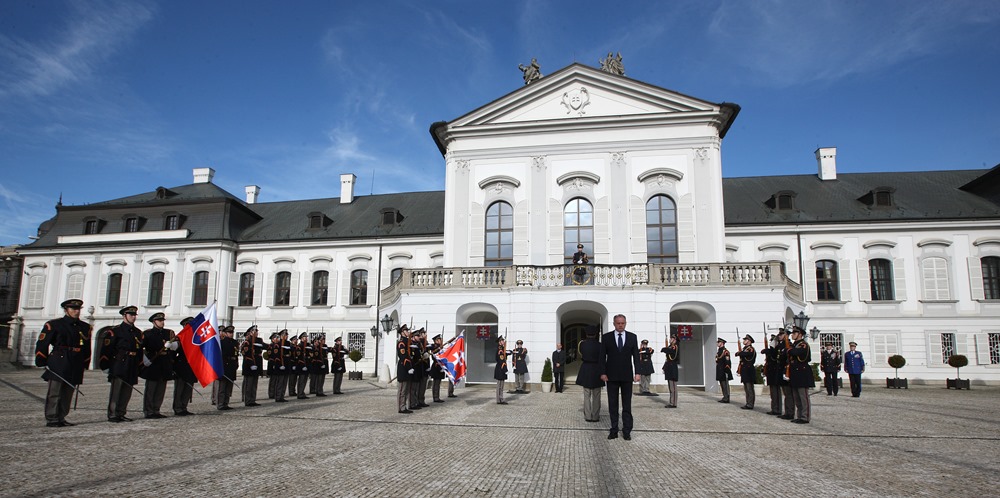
{"points": [[372, 191]]}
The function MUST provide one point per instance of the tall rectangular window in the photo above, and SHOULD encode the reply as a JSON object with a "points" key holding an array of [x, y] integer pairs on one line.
{"points": [[947, 346], [827, 288], [991, 277], [321, 281], [131, 224], [91, 227], [661, 230], [246, 289], [155, 297], [883, 346], [283, 289], [880, 271], [356, 340], [171, 222], [199, 296], [36, 291], [837, 339], [499, 235], [114, 295], [359, 287], [935, 277], [994, 342], [74, 286]]}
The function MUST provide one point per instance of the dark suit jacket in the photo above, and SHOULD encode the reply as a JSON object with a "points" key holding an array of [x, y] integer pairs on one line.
{"points": [[616, 364], [560, 358]]}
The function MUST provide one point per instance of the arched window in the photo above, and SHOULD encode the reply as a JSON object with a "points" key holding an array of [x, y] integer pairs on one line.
{"points": [[359, 287], [155, 297], [283, 289], [991, 277], [578, 228], [199, 294], [499, 235], [246, 289], [880, 271], [74, 286], [114, 295], [661, 230], [827, 288], [395, 275], [321, 282]]}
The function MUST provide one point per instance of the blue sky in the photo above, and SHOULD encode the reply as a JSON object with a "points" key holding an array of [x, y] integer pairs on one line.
{"points": [[100, 100]]}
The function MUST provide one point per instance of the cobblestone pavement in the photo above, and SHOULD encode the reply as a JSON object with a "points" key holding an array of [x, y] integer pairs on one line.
{"points": [[922, 441]]}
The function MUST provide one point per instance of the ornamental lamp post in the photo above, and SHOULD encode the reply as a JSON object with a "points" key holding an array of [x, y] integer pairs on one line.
{"points": [[801, 320], [814, 333]]}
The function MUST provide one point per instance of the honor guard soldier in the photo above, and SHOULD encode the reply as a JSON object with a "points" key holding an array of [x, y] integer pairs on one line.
{"points": [[646, 369], [184, 378], [252, 351], [281, 355], [747, 371], [437, 371], [230, 363], [120, 357], [158, 349], [723, 369], [800, 376], [784, 345], [302, 359], [589, 376], [293, 366], [422, 371], [500, 370], [63, 349], [830, 361], [773, 372], [320, 366], [670, 370], [272, 376], [520, 363], [404, 369], [339, 364]]}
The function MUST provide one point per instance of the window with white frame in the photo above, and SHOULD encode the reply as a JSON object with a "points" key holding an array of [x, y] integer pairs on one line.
{"points": [[320, 287], [199, 288], [884, 345], [994, 342], [499, 242], [935, 277], [880, 271], [36, 291], [991, 277], [356, 340], [246, 289], [661, 230], [283, 289], [827, 284], [114, 294], [835, 338], [947, 346], [74, 286], [359, 287], [578, 228], [155, 297]]}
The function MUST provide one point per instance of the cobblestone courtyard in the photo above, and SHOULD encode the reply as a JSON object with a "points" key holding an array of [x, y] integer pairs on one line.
{"points": [[922, 441]]}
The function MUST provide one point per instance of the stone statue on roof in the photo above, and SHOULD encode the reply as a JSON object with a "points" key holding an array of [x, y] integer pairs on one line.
{"points": [[613, 64], [531, 72]]}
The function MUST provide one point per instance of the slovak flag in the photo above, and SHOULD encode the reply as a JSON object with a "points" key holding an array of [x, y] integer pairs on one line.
{"points": [[452, 359], [200, 340]]}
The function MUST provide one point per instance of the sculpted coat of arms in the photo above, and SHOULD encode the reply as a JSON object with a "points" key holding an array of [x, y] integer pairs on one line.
{"points": [[576, 100]]}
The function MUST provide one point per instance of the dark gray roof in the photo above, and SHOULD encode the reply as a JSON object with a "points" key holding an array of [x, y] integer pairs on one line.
{"points": [[174, 195], [422, 214], [917, 195]]}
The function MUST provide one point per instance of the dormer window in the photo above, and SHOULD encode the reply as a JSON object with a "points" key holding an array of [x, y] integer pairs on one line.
{"points": [[90, 227], [132, 223], [883, 198], [391, 216], [163, 193], [318, 221], [878, 197], [782, 201]]}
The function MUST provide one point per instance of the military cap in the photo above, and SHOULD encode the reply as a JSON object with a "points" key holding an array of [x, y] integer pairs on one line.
{"points": [[644, 341], [721, 340], [748, 338], [519, 342], [852, 343], [274, 335], [402, 328], [796, 330], [157, 316], [579, 246], [339, 339], [72, 303], [303, 335], [773, 337], [229, 329], [782, 332], [186, 320], [436, 337], [128, 310], [283, 332]]}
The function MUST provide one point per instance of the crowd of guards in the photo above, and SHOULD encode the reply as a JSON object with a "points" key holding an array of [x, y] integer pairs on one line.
{"points": [[417, 370]]}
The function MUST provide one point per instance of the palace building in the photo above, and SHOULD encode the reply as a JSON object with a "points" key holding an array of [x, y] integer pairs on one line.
{"points": [[901, 263]]}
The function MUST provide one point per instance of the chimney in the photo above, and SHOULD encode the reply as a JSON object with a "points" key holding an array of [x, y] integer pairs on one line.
{"points": [[347, 188], [252, 192], [826, 157], [203, 175]]}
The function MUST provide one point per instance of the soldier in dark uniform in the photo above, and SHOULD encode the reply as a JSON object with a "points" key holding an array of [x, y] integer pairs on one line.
{"points": [[520, 363], [158, 349], [723, 369], [437, 371], [423, 369], [293, 366], [500, 370], [559, 367], [404, 369], [121, 355], [800, 376], [589, 376], [830, 361], [63, 348], [646, 369], [747, 370], [272, 376], [670, 372], [773, 372], [184, 378], [339, 364], [320, 365], [281, 355], [230, 363], [785, 345], [252, 351], [302, 359]]}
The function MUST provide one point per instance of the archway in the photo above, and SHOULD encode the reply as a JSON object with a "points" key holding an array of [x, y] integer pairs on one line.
{"points": [[694, 324], [574, 318], [479, 323]]}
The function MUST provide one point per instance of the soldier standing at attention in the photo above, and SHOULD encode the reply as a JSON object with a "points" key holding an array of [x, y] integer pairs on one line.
{"points": [[747, 370], [271, 356], [830, 361], [670, 372], [773, 373], [800, 376], [281, 355], [158, 364], [120, 356], [184, 378], [520, 366], [63, 348], [589, 376], [500, 370], [723, 369], [320, 365], [645, 368], [404, 369], [252, 351], [230, 362], [437, 372], [305, 352], [339, 365], [424, 369]]}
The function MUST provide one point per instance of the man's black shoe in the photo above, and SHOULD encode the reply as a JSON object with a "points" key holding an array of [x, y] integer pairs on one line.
{"points": [[406, 411], [613, 435], [115, 419], [439, 401], [281, 401], [452, 395], [66, 423], [54, 424], [627, 436]]}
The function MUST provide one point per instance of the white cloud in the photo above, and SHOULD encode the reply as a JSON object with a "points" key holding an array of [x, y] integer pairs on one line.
{"points": [[21, 211]]}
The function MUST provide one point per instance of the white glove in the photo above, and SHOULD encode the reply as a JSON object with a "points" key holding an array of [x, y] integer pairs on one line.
{"points": [[172, 346], [305, 369], [282, 367], [253, 367], [145, 361], [410, 371]]}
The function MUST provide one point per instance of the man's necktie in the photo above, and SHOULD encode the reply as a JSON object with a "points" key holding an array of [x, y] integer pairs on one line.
{"points": [[620, 343]]}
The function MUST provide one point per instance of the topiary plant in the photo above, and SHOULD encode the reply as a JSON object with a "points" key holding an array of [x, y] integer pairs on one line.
{"points": [[547, 371], [355, 355], [896, 361], [958, 361]]}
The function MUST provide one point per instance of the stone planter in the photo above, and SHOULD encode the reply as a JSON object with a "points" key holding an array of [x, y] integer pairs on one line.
{"points": [[355, 375], [546, 387], [958, 384], [891, 383]]}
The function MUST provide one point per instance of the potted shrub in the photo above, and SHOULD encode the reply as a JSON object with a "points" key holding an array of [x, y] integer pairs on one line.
{"points": [[355, 356], [958, 361], [896, 361], [758, 382], [547, 376]]}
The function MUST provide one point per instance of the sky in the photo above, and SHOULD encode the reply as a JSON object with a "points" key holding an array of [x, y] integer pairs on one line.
{"points": [[100, 100]]}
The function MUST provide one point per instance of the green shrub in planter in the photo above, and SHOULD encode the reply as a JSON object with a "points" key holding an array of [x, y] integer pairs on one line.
{"points": [[816, 376], [958, 361], [896, 361], [759, 377], [547, 371]]}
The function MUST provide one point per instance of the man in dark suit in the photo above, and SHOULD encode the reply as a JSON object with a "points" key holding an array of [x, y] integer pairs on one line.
{"points": [[559, 366], [617, 348]]}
